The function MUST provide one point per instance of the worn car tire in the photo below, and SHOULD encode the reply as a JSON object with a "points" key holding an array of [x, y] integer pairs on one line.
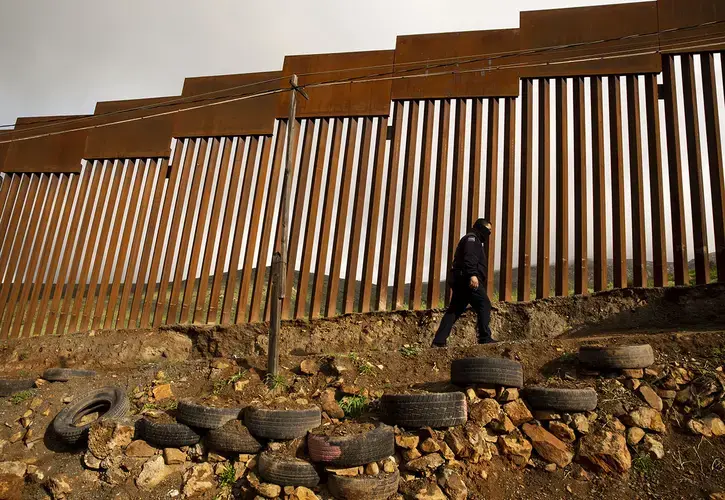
{"points": [[110, 402], [380, 487], [65, 374], [281, 424], [285, 471], [348, 451], [167, 435], [10, 387], [232, 437], [493, 371], [617, 357], [425, 410], [205, 417], [546, 398]]}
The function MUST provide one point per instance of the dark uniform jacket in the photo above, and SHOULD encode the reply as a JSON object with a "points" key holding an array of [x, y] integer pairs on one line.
{"points": [[470, 259]]}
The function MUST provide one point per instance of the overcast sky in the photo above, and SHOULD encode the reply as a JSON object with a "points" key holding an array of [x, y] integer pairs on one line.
{"points": [[61, 57]]}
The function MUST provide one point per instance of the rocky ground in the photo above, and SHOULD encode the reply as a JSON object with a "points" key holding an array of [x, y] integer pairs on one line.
{"points": [[657, 433]]}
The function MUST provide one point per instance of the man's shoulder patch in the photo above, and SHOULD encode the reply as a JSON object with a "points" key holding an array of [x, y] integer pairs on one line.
{"points": [[471, 238]]}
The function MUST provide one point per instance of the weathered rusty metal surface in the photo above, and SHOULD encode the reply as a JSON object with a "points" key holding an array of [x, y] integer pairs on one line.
{"points": [[471, 60], [508, 195], [582, 41], [581, 279], [697, 183], [491, 207], [526, 190], [421, 223], [543, 285], [599, 227], [654, 150], [354, 98], [60, 152], [616, 155], [475, 171], [680, 20], [674, 159], [149, 137], [441, 184], [714, 154], [242, 117], [639, 257], [561, 286], [455, 228]]}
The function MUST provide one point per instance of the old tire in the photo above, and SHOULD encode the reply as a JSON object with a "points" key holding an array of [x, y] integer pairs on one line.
{"points": [[285, 471], [617, 357], [493, 371], [281, 424], [205, 417], [348, 451], [380, 487], [167, 435], [65, 374], [425, 410], [545, 398], [232, 437], [109, 402], [10, 387]]}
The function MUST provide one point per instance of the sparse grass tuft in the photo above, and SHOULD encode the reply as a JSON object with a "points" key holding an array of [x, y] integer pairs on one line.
{"points": [[366, 369], [409, 351], [227, 477], [354, 357], [275, 382], [21, 396], [219, 385], [643, 464], [354, 406], [171, 404]]}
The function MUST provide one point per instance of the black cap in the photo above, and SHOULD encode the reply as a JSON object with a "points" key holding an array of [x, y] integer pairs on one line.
{"points": [[482, 227]]}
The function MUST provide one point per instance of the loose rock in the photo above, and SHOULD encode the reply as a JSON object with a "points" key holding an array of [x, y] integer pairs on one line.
{"points": [[650, 397], [646, 418], [107, 436], [606, 450], [198, 479], [516, 448], [58, 487], [518, 412], [428, 462], [140, 449], [407, 441], [154, 472], [302, 493], [329, 404], [634, 436], [548, 446], [453, 485], [653, 447], [581, 423], [484, 411], [174, 456], [562, 431], [309, 367]]}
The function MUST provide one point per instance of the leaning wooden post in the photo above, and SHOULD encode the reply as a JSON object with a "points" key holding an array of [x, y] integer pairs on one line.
{"points": [[279, 260], [273, 348]]}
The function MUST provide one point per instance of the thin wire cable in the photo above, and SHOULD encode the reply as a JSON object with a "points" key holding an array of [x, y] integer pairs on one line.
{"points": [[452, 61], [383, 77]]}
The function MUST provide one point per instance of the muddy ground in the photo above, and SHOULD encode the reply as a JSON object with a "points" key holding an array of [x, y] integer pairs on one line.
{"points": [[386, 353]]}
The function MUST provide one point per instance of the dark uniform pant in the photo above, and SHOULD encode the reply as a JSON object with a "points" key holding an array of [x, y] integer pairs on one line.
{"points": [[462, 296]]}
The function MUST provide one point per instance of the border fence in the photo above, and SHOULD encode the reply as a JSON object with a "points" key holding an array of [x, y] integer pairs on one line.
{"points": [[591, 137]]}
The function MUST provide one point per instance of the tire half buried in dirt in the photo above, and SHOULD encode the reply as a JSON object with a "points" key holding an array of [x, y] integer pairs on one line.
{"points": [[348, 451], [205, 417], [167, 435], [232, 437], [378, 487], [109, 402], [65, 374], [287, 471], [546, 398], [281, 424], [425, 410], [494, 371], [617, 357], [10, 387]]}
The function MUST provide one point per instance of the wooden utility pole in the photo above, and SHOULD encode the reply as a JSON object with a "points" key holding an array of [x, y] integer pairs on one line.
{"points": [[279, 260]]}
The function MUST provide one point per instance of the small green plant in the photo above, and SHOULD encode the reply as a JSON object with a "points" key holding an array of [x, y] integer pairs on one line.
{"points": [[219, 385], [228, 477], [21, 396], [366, 369], [236, 377], [353, 406], [409, 351], [354, 357], [275, 382], [171, 404], [643, 464]]}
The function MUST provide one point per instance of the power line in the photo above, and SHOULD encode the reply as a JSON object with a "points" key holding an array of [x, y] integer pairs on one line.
{"points": [[449, 62], [716, 40]]}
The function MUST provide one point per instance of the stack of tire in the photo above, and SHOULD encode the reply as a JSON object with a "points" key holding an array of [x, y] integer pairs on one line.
{"points": [[498, 373], [355, 451]]}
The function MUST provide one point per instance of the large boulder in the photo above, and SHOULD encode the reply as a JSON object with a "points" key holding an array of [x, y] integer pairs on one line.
{"points": [[645, 418]]}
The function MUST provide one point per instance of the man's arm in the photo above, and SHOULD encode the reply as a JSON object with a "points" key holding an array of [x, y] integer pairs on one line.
{"points": [[471, 251]]}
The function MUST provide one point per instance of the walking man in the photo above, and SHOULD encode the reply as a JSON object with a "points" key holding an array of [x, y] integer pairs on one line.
{"points": [[467, 279]]}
